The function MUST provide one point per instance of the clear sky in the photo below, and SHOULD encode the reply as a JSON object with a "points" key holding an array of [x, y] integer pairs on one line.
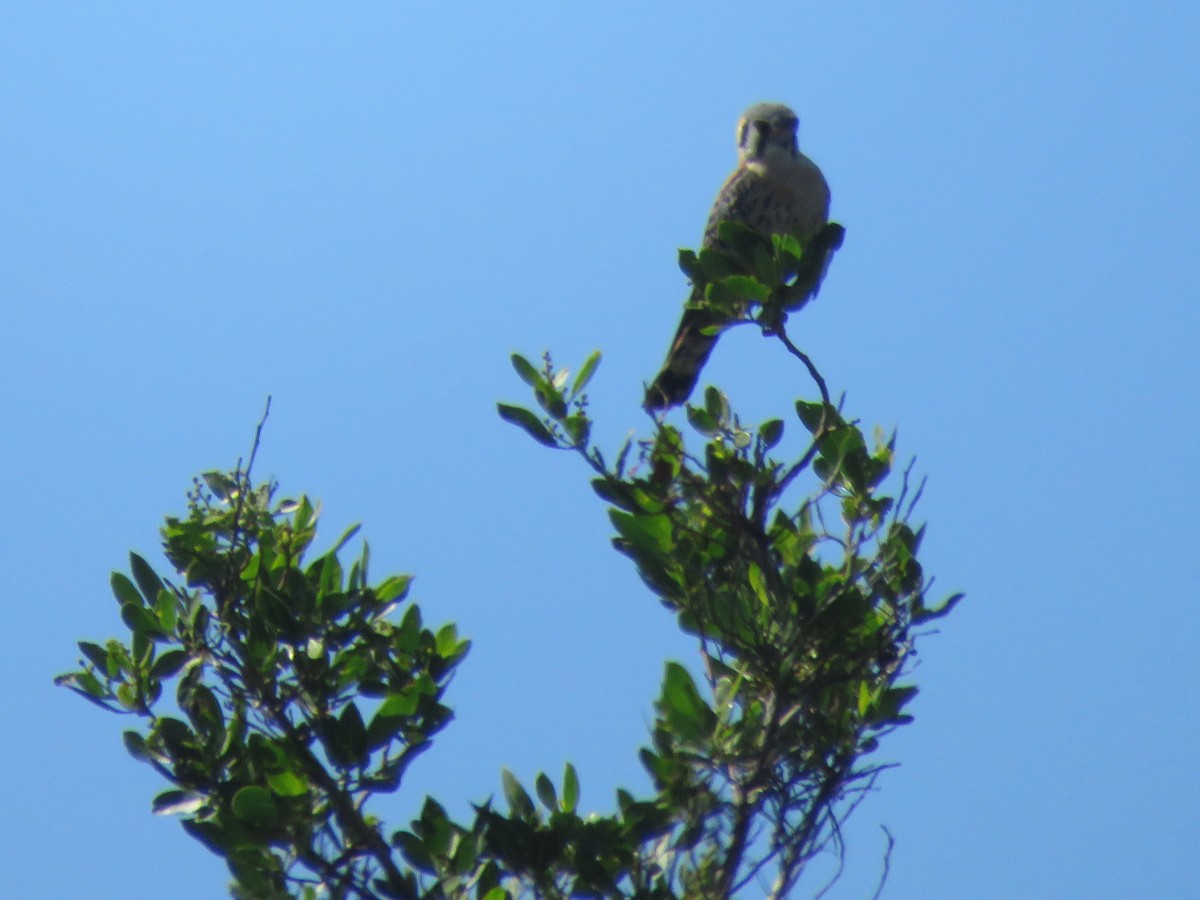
{"points": [[362, 209]]}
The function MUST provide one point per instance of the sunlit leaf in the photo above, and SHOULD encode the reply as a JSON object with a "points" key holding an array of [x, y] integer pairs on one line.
{"points": [[255, 805], [123, 589], [570, 789], [682, 706], [518, 800], [526, 370], [177, 803], [287, 784]]}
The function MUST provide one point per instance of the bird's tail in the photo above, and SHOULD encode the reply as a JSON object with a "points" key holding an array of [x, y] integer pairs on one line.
{"points": [[689, 352]]}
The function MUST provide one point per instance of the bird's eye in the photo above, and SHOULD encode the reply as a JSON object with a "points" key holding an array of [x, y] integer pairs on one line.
{"points": [[763, 126]]}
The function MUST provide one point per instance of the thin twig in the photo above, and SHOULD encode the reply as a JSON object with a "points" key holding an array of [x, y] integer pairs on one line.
{"points": [[781, 333], [258, 436], [242, 486], [887, 863]]}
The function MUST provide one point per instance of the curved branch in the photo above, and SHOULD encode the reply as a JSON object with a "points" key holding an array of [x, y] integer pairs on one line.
{"points": [[781, 332]]}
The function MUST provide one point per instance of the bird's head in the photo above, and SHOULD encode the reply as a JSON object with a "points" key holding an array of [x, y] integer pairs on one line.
{"points": [[767, 130]]}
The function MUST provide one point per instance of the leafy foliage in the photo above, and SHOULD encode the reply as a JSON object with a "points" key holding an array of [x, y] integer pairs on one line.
{"points": [[299, 690], [804, 611], [804, 614]]}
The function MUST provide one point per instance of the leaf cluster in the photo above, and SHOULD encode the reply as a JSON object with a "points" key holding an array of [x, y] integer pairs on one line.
{"points": [[804, 614], [749, 276], [279, 691], [300, 689]]}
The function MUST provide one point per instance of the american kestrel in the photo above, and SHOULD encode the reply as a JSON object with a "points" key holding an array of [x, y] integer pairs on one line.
{"points": [[775, 189]]}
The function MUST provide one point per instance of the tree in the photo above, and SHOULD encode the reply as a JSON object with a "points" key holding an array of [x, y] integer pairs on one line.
{"points": [[302, 690]]}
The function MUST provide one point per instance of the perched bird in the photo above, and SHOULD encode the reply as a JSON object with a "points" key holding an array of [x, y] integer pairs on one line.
{"points": [[775, 189]]}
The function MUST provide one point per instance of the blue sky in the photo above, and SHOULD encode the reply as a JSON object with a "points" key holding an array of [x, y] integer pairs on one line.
{"points": [[362, 210]]}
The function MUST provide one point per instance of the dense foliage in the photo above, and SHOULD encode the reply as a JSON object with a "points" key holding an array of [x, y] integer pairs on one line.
{"points": [[300, 691]]}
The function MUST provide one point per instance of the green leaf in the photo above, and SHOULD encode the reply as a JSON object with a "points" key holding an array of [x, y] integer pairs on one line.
{"points": [[434, 827], [175, 736], [222, 486], [118, 658], [287, 784], [570, 789], [136, 745], [166, 607], [742, 242], [652, 533], [579, 429], [788, 244], [746, 288], [886, 709], [623, 455], [347, 537], [169, 663], [219, 838], [552, 401], [352, 737], [518, 800], [658, 768], [526, 420], [148, 583], [87, 686], [124, 590], [702, 420], [447, 640], [412, 848], [95, 654], [725, 300], [683, 707], [393, 588], [758, 583], [181, 803], [141, 648], [586, 371], [198, 618], [202, 708], [619, 494], [393, 717], [526, 370], [716, 404], [713, 264], [399, 705], [811, 414], [255, 805], [770, 433], [235, 734], [766, 269], [545, 792], [926, 614], [408, 636], [142, 622], [689, 264]]}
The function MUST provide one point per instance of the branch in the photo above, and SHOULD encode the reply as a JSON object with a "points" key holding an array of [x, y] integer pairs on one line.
{"points": [[887, 863], [242, 486], [349, 817], [781, 333]]}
